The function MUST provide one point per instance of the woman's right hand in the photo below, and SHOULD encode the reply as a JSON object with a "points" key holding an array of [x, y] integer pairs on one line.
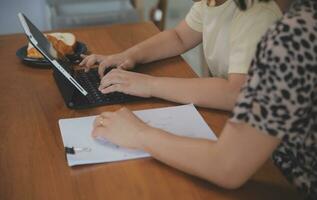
{"points": [[121, 61]]}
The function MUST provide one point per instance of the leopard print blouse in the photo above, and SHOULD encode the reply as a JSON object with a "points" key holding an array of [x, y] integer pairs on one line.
{"points": [[280, 96]]}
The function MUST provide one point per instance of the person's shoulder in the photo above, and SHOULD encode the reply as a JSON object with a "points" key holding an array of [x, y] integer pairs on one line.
{"points": [[302, 13], [300, 22], [291, 41], [198, 4]]}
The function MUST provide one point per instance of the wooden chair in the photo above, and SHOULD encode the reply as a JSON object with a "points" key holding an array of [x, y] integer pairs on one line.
{"points": [[157, 13]]}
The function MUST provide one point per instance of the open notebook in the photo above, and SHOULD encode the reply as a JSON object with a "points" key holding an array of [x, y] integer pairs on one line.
{"points": [[182, 120]]}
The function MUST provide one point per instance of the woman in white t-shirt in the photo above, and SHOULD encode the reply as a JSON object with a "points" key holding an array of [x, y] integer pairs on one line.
{"points": [[229, 37]]}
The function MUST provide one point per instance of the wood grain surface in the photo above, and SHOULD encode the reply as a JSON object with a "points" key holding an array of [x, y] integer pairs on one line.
{"points": [[32, 160]]}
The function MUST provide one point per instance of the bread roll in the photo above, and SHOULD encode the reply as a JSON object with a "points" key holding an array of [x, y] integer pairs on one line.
{"points": [[63, 43]]}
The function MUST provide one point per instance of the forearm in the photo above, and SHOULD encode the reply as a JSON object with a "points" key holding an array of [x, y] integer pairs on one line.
{"points": [[163, 45], [193, 156], [166, 44], [228, 162], [205, 92]]}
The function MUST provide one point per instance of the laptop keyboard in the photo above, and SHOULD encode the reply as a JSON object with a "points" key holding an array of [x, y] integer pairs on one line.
{"points": [[90, 81]]}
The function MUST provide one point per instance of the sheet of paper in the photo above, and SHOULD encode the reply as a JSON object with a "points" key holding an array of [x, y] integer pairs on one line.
{"points": [[182, 120]]}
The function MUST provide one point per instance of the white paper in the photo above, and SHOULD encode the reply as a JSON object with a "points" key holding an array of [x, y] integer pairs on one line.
{"points": [[180, 120]]}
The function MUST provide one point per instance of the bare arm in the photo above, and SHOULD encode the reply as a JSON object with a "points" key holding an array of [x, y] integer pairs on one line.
{"points": [[166, 44], [162, 45], [206, 92], [228, 162]]}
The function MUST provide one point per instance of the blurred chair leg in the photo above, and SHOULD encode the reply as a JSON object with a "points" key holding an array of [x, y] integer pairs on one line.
{"points": [[158, 14], [139, 6]]}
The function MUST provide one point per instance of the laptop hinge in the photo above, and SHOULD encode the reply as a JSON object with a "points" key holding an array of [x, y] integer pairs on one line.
{"points": [[65, 87]]}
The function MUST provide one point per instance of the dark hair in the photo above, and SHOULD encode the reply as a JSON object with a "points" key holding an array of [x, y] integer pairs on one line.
{"points": [[243, 5]]}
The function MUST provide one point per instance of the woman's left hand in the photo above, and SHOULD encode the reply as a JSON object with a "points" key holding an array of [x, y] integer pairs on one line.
{"points": [[127, 82], [121, 127]]}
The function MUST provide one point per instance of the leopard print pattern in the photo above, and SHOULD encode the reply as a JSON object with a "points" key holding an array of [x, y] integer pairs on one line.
{"points": [[280, 95]]}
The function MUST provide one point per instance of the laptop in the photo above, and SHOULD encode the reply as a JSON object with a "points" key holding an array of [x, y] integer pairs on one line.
{"points": [[79, 89]]}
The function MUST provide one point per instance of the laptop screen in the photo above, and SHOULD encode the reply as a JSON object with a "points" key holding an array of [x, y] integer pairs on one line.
{"points": [[46, 46], [41, 43]]}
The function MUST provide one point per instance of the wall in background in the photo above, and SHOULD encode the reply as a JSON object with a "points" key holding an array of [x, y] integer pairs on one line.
{"points": [[34, 9]]}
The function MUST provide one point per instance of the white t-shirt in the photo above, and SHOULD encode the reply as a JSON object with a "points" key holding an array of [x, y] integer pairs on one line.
{"points": [[230, 36]]}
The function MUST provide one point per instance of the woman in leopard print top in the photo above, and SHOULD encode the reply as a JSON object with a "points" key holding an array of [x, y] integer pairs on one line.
{"points": [[280, 96]]}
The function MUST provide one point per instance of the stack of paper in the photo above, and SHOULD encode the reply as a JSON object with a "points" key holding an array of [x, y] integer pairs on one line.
{"points": [[181, 120]]}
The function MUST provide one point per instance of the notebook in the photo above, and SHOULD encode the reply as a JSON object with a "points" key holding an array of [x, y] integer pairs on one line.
{"points": [[182, 120]]}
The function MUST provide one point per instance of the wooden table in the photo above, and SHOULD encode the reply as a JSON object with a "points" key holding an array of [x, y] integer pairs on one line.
{"points": [[32, 160]]}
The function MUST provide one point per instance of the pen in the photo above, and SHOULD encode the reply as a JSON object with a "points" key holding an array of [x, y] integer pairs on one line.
{"points": [[74, 150]]}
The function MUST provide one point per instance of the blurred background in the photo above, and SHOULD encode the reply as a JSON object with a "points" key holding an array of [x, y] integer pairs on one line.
{"points": [[53, 14]]}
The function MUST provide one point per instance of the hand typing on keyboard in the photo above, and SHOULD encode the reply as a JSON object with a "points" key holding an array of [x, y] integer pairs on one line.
{"points": [[121, 60], [127, 82]]}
